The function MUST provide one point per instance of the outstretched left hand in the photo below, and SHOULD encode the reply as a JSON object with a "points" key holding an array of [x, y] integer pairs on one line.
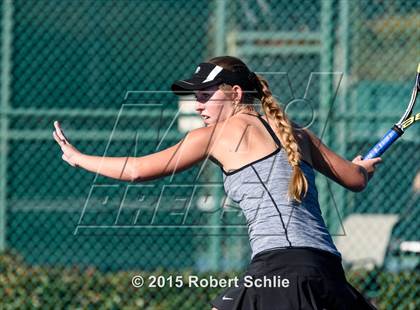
{"points": [[70, 153]]}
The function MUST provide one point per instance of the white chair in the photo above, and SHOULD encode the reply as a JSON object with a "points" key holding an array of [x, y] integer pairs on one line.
{"points": [[365, 239]]}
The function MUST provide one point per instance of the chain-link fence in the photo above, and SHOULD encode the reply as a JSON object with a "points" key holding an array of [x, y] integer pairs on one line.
{"points": [[103, 68]]}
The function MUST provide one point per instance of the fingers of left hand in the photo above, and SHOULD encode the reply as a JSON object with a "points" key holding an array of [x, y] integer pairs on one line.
{"points": [[59, 131], [57, 139]]}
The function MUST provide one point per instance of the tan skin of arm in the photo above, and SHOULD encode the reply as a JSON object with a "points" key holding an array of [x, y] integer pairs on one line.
{"points": [[193, 148], [353, 175]]}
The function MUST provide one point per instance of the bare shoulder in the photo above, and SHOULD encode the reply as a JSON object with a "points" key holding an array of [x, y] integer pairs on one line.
{"points": [[302, 134], [234, 141], [228, 131], [217, 135], [308, 137], [207, 135], [303, 138]]}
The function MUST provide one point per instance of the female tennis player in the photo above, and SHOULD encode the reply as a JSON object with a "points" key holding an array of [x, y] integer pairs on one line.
{"points": [[264, 156]]}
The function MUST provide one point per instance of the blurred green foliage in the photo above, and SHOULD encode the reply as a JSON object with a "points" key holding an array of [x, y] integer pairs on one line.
{"points": [[26, 287]]}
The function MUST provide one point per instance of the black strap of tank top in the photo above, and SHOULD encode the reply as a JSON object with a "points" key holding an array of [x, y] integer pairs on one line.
{"points": [[268, 127]]}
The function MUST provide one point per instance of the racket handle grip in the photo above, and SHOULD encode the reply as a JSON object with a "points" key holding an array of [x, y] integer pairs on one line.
{"points": [[393, 134]]}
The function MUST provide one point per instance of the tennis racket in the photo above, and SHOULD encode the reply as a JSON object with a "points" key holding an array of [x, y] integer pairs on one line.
{"points": [[399, 128]]}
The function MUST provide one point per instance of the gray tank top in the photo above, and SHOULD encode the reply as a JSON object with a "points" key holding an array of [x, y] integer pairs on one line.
{"points": [[275, 221]]}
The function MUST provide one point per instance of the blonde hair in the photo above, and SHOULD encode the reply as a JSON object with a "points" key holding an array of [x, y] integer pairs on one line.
{"points": [[298, 185]]}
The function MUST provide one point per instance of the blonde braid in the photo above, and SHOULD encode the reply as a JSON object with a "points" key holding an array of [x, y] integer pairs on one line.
{"points": [[298, 185]]}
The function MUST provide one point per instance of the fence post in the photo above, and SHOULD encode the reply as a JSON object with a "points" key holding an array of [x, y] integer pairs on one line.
{"points": [[220, 25], [214, 249], [342, 133], [6, 52], [326, 95]]}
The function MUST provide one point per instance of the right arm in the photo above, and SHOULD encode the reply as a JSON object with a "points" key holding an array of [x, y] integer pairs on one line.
{"points": [[353, 175]]}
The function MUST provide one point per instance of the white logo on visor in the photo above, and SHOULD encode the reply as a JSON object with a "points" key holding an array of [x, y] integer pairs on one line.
{"points": [[216, 70], [197, 70]]}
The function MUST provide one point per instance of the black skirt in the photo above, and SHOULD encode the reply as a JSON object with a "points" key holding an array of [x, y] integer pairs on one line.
{"points": [[293, 278]]}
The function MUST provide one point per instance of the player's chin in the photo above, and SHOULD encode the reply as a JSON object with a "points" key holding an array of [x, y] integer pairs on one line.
{"points": [[208, 123]]}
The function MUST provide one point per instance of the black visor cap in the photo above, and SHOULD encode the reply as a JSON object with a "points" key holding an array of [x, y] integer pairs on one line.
{"points": [[207, 75]]}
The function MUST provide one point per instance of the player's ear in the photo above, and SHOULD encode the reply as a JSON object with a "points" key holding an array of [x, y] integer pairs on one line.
{"points": [[237, 93]]}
